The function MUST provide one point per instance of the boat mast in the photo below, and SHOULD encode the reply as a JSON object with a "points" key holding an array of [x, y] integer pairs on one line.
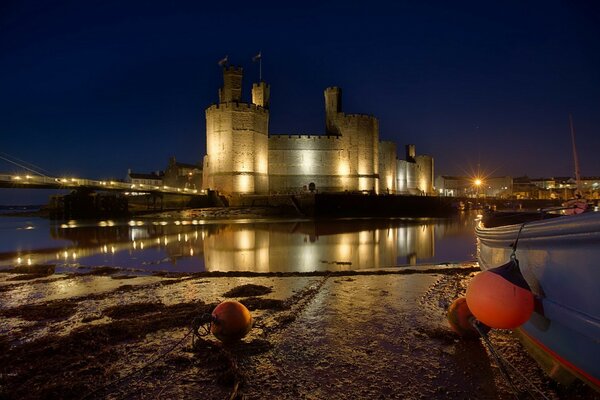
{"points": [[577, 174]]}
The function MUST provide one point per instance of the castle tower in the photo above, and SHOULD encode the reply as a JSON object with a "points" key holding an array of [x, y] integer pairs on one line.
{"points": [[260, 94], [237, 138], [232, 85], [410, 152], [333, 107]]}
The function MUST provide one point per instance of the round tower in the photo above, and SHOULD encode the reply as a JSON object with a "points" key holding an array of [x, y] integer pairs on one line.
{"points": [[237, 138]]}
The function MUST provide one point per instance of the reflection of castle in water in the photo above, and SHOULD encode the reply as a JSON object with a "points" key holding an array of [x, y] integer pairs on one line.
{"points": [[260, 247], [309, 246]]}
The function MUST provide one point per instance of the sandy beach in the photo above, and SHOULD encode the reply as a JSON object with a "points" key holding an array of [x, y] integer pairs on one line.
{"points": [[379, 334]]}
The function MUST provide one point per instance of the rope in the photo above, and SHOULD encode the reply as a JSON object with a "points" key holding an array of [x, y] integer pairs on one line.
{"points": [[502, 364], [134, 372], [514, 245], [197, 323]]}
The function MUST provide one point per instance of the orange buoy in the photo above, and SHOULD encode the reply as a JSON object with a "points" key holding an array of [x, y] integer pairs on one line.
{"points": [[460, 317], [500, 297], [231, 321]]}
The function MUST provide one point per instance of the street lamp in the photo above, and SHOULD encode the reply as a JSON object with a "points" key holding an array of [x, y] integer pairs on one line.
{"points": [[477, 183]]}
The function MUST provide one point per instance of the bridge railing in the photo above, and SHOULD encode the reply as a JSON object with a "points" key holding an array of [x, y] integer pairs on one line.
{"points": [[73, 183]]}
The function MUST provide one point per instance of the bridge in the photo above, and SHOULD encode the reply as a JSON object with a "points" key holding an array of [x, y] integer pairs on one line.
{"points": [[16, 181]]}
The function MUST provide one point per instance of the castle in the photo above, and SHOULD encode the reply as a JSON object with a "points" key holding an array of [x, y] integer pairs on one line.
{"points": [[244, 158]]}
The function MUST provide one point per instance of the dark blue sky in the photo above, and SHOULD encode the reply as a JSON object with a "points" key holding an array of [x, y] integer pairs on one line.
{"points": [[91, 88]]}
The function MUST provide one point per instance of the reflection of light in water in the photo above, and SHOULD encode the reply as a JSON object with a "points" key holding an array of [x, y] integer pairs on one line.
{"points": [[245, 247], [29, 261], [138, 233], [66, 255], [309, 258], [262, 262], [245, 240], [344, 252], [19, 260], [364, 237]]}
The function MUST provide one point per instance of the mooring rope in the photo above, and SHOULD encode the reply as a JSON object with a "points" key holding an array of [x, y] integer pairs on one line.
{"points": [[514, 245], [503, 363], [138, 370], [196, 324]]}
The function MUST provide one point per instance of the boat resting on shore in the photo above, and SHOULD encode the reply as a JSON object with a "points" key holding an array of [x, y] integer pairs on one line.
{"points": [[559, 257]]}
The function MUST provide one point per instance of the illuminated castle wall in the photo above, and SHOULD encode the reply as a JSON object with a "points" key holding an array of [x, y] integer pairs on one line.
{"points": [[243, 158], [237, 138]]}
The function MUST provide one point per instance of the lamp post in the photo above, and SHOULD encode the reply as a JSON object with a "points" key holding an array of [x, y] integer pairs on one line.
{"points": [[477, 183]]}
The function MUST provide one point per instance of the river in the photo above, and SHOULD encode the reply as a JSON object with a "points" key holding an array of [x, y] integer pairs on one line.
{"points": [[261, 245]]}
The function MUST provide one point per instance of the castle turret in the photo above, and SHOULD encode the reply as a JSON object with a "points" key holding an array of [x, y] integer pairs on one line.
{"points": [[333, 106], [260, 94], [232, 85], [410, 153]]}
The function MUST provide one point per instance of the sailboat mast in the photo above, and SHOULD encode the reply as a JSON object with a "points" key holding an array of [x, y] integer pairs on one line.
{"points": [[575, 158]]}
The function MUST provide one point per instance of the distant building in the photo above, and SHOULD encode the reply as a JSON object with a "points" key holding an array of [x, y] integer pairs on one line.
{"points": [[150, 179], [521, 187], [244, 158], [463, 186], [182, 175], [556, 188], [176, 175]]}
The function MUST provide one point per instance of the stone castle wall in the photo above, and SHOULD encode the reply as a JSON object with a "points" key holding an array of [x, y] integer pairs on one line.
{"points": [[387, 167], [295, 161], [242, 158], [424, 174]]}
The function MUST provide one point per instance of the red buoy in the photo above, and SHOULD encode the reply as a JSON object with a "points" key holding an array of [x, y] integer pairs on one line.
{"points": [[460, 319], [500, 298], [231, 321]]}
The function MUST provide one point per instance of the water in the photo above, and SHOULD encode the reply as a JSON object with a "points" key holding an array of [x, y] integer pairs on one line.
{"points": [[145, 245]]}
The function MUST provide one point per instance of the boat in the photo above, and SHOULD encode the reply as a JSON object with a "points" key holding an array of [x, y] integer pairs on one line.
{"points": [[559, 257]]}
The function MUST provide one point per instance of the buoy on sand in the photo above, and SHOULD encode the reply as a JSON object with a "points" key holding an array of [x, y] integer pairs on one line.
{"points": [[231, 321], [461, 319], [500, 297]]}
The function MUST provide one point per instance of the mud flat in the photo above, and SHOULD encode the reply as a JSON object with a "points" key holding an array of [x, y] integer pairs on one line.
{"points": [[378, 334]]}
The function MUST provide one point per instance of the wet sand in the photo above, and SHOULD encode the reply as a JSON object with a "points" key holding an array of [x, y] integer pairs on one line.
{"points": [[369, 335]]}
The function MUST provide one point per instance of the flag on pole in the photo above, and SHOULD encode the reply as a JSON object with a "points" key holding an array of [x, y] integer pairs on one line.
{"points": [[223, 62], [257, 57]]}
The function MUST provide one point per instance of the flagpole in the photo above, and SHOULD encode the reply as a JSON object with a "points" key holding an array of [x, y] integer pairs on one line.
{"points": [[260, 69]]}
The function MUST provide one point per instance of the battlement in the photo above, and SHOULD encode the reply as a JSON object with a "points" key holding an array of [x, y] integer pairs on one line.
{"points": [[359, 117], [235, 106], [233, 68], [280, 136]]}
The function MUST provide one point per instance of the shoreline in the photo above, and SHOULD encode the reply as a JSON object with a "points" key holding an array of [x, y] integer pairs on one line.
{"points": [[356, 334]]}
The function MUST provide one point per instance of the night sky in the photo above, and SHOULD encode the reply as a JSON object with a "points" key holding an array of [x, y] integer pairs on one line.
{"points": [[92, 88]]}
